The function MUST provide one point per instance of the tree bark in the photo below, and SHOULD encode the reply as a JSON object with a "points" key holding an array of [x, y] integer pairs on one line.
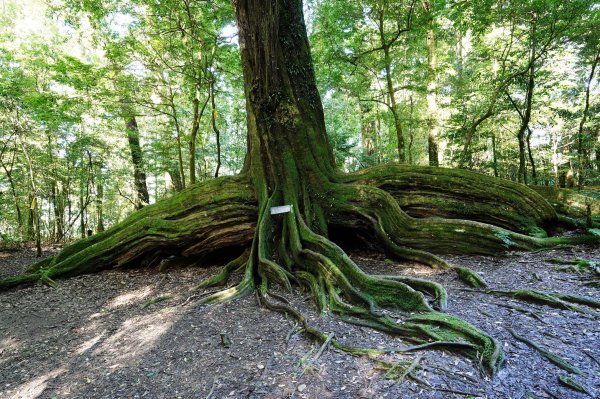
{"points": [[367, 129], [526, 114], [214, 125], [175, 118], [139, 176], [196, 117], [580, 133], [99, 204], [432, 121], [58, 206], [391, 93], [8, 171]]}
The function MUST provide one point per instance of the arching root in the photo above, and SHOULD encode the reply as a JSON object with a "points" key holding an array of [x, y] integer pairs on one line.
{"points": [[219, 213], [221, 278]]}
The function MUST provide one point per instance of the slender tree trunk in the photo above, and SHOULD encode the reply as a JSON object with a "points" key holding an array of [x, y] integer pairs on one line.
{"points": [[99, 205], [58, 211], [81, 212], [214, 125], [30, 218], [178, 137], [193, 135], [466, 157], [197, 116], [13, 189], [494, 156], [139, 176], [176, 179], [37, 233], [580, 133], [411, 131], [526, 115], [531, 159], [367, 129], [387, 61], [34, 216], [432, 111]]}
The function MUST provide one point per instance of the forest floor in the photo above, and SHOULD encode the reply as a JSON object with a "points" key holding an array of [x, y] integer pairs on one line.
{"points": [[138, 334]]}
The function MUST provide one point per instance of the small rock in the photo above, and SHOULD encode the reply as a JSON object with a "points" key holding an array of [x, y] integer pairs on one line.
{"points": [[301, 387], [260, 366]]}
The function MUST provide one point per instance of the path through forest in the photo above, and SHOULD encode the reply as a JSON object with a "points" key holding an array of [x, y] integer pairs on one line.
{"points": [[139, 334]]}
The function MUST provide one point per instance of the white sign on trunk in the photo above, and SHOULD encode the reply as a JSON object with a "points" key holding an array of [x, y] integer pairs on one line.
{"points": [[276, 210]]}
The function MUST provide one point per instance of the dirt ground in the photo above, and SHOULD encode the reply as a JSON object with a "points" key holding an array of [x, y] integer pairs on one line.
{"points": [[138, 334]]}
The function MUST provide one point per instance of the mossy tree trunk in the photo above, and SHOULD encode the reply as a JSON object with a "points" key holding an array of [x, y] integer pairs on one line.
{"points": [[290, 162]]}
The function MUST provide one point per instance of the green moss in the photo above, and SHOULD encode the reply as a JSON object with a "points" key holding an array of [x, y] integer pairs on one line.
{"points": [[471, 277], [536, 231]]}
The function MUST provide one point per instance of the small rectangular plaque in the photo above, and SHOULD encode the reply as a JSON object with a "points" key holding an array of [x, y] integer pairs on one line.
{"points": [[276, 210]]}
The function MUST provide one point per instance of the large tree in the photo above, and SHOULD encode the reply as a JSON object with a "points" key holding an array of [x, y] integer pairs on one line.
{"points": [[290, 162]]}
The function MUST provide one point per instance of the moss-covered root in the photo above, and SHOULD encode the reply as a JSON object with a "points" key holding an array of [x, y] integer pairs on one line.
{"points": [[553, 299], [359, 206], [471, 277], [429, 329], [424, 191], [221, 278], [214, 215], [571, 383], [555, 359], [20, 279]]}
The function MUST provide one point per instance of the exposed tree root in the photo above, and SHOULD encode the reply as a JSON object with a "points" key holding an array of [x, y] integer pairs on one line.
{"points": [[232, 267], [556, 360], [571, 383], [553, 299], [217, 214], [459, 194], [471, 277], [522, 310], [580, 266], [287, 250]]}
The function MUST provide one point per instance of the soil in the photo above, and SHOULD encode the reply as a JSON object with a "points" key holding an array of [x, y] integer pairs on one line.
{"points": [[140, 333]]}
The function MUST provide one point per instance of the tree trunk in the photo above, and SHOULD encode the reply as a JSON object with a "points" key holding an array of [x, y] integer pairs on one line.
{"points": [[139, 176], [411, 131], [81, 214], [177, 181], [531, 159], [196, 118], [526, 114], [58, 211], [8, 171], [214, 125], [367, 130], [494, 156], [432, 122], [175, 118], [580, 133], [466, 157], [387, 62], [35, 214], [99, 205]]}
